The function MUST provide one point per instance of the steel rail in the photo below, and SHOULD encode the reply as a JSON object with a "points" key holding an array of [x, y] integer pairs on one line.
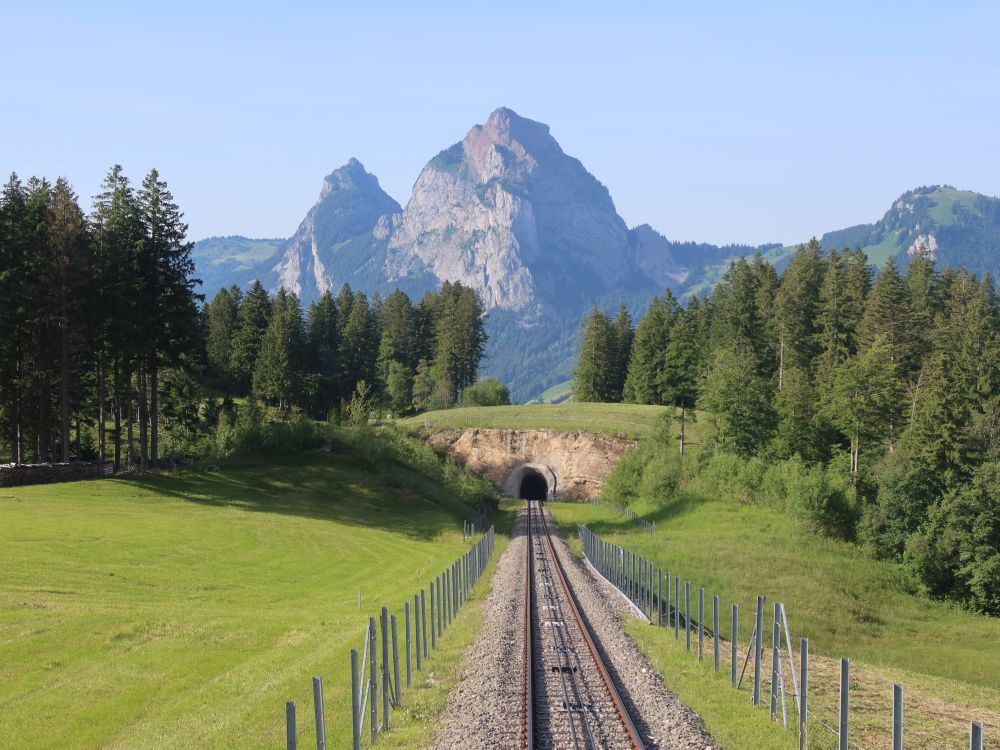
{"points": [[616, 700], [529, 698]]}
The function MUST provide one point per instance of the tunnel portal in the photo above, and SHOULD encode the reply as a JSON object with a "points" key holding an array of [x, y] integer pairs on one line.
{"points": [[533, 486]]}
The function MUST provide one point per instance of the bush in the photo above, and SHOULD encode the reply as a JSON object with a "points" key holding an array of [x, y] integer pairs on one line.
{"points": [[255, 430], [380, 449], [825, 501], [487, 392]]}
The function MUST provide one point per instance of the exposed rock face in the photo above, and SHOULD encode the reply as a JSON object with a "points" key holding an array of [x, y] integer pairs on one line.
{"points": [[340, 234], [576, 462], [507, 212]]}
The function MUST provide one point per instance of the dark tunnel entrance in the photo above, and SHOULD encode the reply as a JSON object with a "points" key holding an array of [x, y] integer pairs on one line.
{"points": [[533, 486]]}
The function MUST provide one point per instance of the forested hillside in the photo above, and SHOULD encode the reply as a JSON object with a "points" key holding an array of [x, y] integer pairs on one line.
{"points": [[868, 403]]}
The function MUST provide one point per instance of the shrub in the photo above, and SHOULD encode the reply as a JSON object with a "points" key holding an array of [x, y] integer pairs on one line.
{"points": [[825, 501], [487, 392]]}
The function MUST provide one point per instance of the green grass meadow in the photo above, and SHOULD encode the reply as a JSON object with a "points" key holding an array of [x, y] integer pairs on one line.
{"points": [[633, 420], [183, 611]]}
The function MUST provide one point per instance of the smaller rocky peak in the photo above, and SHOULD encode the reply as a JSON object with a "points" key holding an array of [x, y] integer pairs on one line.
{"points": [[351, 176]]}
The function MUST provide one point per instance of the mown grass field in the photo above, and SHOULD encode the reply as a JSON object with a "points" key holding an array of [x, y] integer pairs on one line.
{"points": [[183, 611], [947, 659], [634, 420]]}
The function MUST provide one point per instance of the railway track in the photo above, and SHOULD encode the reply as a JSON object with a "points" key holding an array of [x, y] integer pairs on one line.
{"points": [[570, 700]]}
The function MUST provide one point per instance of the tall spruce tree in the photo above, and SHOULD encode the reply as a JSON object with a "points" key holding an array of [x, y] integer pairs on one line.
{"points": [[594, 378], [623, 336], [220, 330], [251, 324], [795, 310], [649, 351], [277, 374], [67, 234]]}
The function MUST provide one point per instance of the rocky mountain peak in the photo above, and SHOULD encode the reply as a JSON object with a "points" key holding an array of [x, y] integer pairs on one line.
{"points": [[351, 176]]}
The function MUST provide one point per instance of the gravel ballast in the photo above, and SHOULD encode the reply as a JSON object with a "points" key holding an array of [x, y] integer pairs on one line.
{"points": [[485, 709]]}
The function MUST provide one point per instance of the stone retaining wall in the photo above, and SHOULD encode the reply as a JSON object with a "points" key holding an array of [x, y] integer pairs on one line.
{"points": [[11, 475]]}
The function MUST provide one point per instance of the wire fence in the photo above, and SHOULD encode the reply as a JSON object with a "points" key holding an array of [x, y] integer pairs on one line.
{"points": [[378, 672], [780, 682]]}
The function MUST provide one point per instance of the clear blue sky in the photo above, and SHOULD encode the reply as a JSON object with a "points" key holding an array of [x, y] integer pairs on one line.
{"points": [[719, 122]]}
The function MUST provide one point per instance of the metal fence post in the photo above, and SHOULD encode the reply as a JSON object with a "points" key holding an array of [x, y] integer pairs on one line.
{"points": [[687, 614], [758, 650], [355, 702], [318, 711], [409, 667], [440, 614], [897, 717], [395, 661], [715, 630], [433, 621], [734, 637], [659, 597], [701, 623], [677, 608], [385, 668], [803, 693], [845, 679], [669, 582], [373, 677], [423, 625], [290, 733], [976, 736], [775, 650]]}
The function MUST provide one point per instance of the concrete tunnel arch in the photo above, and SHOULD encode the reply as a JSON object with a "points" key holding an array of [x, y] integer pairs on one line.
{"points": [[531, 480]]}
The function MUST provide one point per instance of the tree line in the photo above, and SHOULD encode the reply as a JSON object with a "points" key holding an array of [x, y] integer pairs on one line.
{"points": [[107, 352], [884, 387], [346, 351], [92, 309]]}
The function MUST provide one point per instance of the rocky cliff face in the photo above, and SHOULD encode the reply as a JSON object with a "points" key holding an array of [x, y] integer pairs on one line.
{"points": [[574, 464], [339, 236], [507, 212]]}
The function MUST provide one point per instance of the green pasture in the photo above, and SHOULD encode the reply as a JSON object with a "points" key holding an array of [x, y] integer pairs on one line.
{"points": [[184, 610], [632, 420]]}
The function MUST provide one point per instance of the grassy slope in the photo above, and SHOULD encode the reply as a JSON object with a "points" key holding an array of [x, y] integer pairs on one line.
{"points": [[182, 611], [846, 604], [630, 419]]}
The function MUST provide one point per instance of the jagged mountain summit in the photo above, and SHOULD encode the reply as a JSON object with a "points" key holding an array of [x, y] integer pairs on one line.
{"points": [[504, 211], [340, 237], [507, 212]]}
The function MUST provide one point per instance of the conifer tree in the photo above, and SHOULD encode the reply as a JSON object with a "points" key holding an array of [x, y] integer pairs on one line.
{"points": [[220, 330], [888, 317], [594, 375], [795, 310], [251, 324], [67, 234], [278, 369], [623, 335], [323, 353], [649, 351]]}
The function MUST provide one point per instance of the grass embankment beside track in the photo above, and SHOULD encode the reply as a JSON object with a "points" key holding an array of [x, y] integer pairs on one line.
{"points": [[633, 420], [183, 610], [946, 658]]}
